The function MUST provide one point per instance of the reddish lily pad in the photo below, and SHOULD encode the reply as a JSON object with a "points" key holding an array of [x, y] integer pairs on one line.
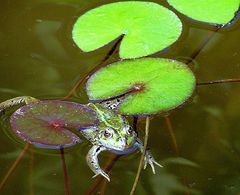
{"points": [[46, 123]]}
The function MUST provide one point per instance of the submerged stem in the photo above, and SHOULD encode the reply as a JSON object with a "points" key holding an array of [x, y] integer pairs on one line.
{"points": [[198, 50], [176, 149], [65, 174], [219, 82], [94, 69], [172, 135], [31, 164], [135, 123], [104, 187], [107, 169], [14, 166], [142, 157]]}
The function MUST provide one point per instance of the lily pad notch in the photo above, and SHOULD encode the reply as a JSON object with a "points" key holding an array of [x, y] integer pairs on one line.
{"points": [[146, 32], [152, 85]]}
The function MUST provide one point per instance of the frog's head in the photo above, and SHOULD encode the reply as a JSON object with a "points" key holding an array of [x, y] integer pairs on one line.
{"points": [[114, 131], [118, 139]]}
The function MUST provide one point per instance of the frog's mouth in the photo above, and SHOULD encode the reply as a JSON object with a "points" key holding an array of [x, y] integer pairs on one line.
{"points": [[128, 150]]}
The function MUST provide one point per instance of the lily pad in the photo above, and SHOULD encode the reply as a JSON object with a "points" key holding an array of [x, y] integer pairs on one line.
{"points": [[211, 11], [46, 123], [147, 28], [153, 85]]}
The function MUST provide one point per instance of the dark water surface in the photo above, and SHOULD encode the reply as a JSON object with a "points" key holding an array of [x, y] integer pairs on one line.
{"points": [[38, 58]]}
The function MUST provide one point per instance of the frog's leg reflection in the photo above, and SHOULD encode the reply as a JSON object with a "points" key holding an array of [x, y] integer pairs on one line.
{"points": [[93, 163]]}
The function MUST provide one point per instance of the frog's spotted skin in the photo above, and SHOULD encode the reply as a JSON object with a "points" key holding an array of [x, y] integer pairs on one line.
{"points": [[113, 104], [113, 133]]}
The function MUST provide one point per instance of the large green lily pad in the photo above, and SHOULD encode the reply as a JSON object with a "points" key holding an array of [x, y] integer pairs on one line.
{"points": [[47, 123], [147, 28], [211, 11], [154, 85]]}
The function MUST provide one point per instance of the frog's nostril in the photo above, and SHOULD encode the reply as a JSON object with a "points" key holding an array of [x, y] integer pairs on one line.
{"points": [[123, 141]]}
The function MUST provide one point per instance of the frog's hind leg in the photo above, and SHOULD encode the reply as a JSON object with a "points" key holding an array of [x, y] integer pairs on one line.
{"points": [[16, 101], [93, 163]]}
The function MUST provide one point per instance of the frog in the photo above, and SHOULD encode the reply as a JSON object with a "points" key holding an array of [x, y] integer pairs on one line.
{"points": [[113, 133]]}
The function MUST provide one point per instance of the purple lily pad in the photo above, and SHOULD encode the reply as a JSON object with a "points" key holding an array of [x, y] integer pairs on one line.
{"points": [[46, 123]]}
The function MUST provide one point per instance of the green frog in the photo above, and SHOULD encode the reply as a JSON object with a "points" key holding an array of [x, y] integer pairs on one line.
{"points": [[113, 133]]}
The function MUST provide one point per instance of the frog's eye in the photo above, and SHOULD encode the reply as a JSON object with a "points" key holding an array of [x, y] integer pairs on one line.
{"points": [[107, 134]]}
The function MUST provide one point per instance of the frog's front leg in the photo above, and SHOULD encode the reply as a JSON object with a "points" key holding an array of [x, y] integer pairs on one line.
{"points": [[93, 163], [148, 158]]}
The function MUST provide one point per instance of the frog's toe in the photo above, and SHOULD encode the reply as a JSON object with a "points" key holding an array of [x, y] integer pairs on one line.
{"points": [[148, 159], [152, 166], [105, 175], [145, 162], [156, 163]]}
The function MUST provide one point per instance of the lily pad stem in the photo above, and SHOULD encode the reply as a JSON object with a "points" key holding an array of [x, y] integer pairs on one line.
{"points": [[14, 166], [65, 174], [81, 81], [142, 157], [219, 82], [172, 134], [112, 160]]}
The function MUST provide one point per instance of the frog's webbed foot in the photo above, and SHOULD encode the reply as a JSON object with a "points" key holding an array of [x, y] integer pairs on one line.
{"points": [[101, 172], [148, 159], [92, 161]]}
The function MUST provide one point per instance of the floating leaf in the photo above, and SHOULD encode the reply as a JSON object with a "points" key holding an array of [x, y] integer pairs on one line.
{"points": [[211, 11], [147, 28], [46, 123], [154, 84]]}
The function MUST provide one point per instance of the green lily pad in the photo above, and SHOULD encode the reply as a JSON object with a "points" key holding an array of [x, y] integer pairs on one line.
{"points": [[147, 28], [46, 124], [211, 11], [154, 85]]}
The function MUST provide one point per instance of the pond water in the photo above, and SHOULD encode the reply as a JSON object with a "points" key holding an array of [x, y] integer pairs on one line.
{"points": [[38, 58]]}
